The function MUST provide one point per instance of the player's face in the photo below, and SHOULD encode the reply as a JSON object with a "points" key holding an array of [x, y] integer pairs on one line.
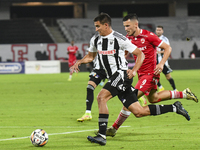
{"points": [[159, 31], [101, 28], [130, 27]]}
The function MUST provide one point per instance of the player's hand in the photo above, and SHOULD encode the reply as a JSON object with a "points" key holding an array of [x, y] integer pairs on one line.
{"points": [[131, 73], [75, 68], [158, 69]]}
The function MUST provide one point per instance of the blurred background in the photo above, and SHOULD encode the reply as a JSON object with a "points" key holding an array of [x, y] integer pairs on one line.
{"points": [[43, 29]]}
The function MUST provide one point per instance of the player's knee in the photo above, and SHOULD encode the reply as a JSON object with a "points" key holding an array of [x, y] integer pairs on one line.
{"points": [[153, 99], [101, 99]]}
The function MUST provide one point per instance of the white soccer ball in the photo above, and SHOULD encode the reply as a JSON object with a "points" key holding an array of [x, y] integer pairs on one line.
{"points": [[39, 137]]}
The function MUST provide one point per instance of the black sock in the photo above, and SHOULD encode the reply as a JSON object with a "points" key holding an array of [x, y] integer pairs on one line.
{"points": [[171, 81], [103, 121], [90, 97], [158, 84], [160, 109]]}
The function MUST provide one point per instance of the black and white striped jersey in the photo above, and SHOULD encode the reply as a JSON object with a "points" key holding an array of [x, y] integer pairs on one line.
{"points": [[110, 52]]}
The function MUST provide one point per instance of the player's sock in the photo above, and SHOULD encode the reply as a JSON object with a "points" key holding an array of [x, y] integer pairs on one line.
{"points": [[88, 111], [103, 121], [161, 109], [90, 97], [123, 115], [70, 76], [177, 94], [171, 81]]}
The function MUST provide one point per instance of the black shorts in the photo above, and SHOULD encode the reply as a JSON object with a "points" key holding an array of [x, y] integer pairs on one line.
{"points": [[166, 69], [116, 84], [122, 88], [129, 96], [97, 75]]}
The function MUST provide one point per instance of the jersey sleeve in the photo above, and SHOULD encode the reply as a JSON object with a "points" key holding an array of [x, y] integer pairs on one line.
{"points": [[92, 47], [128, 46], [154, 40], [166, 40]]}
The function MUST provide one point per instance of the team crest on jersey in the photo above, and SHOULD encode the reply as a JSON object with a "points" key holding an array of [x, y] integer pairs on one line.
{"points": [[111, 42], [142, 40]]}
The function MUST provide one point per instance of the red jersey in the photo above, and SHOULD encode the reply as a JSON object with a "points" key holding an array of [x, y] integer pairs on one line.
{"points": [[147, 42], [72, 53]]}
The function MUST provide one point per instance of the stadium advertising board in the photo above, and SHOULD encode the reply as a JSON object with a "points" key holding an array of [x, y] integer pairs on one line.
{"points": [[11, 67], [32, 52], [42, 67]]}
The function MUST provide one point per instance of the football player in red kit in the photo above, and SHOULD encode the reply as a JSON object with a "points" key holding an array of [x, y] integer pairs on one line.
{"points": [[149, 72], [71, 51]]}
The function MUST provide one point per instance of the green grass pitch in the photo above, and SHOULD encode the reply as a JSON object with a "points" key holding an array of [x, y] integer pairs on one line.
{"points": [[50, 102]]}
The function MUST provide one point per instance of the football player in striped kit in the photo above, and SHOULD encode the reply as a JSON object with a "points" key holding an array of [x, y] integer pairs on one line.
{"points": [[166, 69], [109, 46]]}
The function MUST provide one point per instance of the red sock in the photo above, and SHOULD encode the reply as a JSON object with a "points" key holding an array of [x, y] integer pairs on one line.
{"points": [[176, 94], [123, 115]]}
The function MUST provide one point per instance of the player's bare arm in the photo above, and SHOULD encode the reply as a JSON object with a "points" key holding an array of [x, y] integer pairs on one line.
{"points": [[88, 58], [167, 51], [160, 52], [140, 58]]}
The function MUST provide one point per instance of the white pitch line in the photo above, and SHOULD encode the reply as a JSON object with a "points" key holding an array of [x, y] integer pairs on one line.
{"points": [[55, 134]]}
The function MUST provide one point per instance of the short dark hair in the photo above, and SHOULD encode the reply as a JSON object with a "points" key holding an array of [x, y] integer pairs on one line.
{"points": [[103, 18], [131, 17], [160, 27]]}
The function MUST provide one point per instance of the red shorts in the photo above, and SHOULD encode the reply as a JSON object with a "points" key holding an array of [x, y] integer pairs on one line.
{"points": [[146, 83], [71, 63]]}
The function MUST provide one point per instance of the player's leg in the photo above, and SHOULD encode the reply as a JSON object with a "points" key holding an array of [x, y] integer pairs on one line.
{"points": [[150, 85], [71, 63], [102, 98], [140, 111], [143, 86], [95, 78], [111, 89], [160, 87], [70, 71], [123, 115], [171, 81], [155, 110], [155, 97], [167, 70], [89, 101]]}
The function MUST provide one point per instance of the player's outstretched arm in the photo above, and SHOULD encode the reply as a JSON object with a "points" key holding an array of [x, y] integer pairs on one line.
{"points": [[88, 58]]}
